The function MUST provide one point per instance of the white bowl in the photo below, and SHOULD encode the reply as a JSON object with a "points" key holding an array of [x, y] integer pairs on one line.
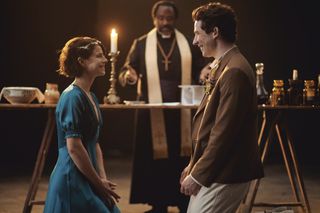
{"points": [[19, 95]]}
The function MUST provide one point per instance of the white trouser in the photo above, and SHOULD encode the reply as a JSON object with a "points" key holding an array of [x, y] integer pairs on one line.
{"points": [[218, 198]]}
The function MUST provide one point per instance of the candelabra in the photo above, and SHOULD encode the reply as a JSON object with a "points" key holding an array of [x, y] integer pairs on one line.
{"points": [[112, 97]]}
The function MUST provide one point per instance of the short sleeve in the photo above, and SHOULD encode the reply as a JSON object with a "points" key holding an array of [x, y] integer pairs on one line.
{"points": [[70, 115]]}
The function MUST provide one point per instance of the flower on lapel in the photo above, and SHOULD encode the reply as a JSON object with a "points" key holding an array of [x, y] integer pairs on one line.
{"points": [[208, 86], [210, 82]]}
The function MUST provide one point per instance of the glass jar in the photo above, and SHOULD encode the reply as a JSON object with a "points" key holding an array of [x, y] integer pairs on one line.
{"points": [[51, 94], [277, 96], [309, 92]]}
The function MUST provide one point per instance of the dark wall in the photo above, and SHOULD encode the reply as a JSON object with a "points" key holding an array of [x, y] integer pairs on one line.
{"points": [[32, 33], [281, 34]]}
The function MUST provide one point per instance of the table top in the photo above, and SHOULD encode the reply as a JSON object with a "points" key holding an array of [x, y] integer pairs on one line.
{"points": [[150, 106], [104, 106]]}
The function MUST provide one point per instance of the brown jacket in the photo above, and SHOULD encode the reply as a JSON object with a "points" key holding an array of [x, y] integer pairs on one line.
{"points": [[224, 134]]}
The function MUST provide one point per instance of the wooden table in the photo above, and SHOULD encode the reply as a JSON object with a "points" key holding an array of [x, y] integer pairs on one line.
{"points": [[277, 121]]}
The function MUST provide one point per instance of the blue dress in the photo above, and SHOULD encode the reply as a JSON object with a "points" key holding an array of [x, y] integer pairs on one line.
{"points": [[69, 191]]}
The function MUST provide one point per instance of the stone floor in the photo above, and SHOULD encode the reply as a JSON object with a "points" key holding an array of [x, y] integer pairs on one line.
{"points": [[274, 187]]}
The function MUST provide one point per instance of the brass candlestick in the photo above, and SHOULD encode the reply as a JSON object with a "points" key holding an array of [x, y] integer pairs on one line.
{"points": [[112, 97]]}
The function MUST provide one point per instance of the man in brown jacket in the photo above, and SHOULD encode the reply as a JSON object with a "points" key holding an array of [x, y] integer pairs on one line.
{"points": [[224, 136]]}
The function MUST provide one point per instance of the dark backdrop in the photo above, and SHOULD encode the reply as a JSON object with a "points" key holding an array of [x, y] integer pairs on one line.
{"points": [[281, 34]]}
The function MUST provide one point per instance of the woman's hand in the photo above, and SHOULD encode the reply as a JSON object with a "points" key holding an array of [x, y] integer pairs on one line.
{"points": [[107, 193], [109, 184]]}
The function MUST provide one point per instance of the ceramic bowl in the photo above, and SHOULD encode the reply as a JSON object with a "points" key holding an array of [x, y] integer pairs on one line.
{"points": [[19, 95]]}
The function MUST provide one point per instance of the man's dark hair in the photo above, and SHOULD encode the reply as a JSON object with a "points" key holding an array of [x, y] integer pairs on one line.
{"points": [[217, 15], [164, 3]]}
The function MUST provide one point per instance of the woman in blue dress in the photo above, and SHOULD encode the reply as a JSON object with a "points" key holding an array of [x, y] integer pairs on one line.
{"points": [[78, 183]]}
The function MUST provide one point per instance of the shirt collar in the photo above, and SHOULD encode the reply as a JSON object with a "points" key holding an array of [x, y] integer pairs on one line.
{"points": [[217, 61]]}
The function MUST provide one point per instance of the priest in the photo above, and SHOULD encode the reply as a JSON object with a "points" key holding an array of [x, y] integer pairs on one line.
{"points": [[158, 62]]}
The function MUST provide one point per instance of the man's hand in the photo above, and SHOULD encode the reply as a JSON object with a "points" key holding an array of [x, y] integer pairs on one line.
{"points": [[204, 74], [184, 174], [131, 75], [189, 186]]}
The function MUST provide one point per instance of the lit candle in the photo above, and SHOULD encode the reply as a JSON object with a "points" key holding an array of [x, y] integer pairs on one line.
{"points": [[114, 41]]}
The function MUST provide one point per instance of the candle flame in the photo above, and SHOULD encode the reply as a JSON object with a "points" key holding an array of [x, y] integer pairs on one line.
{"points": [[113, 32]]}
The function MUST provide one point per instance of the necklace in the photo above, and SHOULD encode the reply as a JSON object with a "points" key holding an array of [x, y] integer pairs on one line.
{"points": [[166, 57]]}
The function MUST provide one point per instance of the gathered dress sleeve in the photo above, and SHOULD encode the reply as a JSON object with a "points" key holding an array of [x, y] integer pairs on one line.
{"points": [[70, 116]]}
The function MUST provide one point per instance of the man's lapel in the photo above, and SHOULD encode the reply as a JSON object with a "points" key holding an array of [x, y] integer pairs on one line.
{"points": [[222, 65], [206, 96], [202, 105]]}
